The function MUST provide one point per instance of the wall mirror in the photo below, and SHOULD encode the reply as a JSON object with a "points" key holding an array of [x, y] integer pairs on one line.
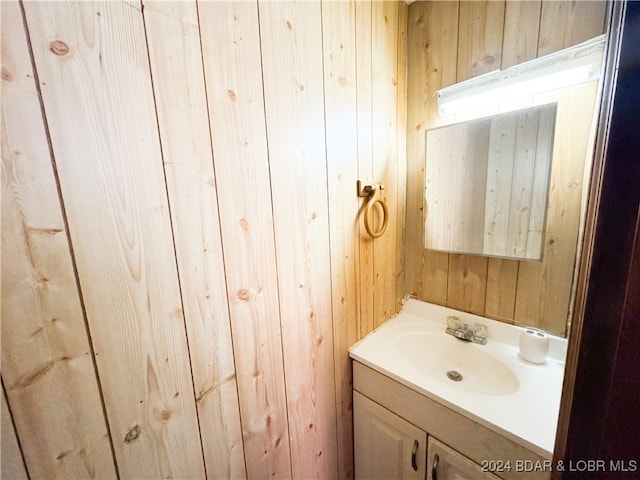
{"points": [[487, 184]]}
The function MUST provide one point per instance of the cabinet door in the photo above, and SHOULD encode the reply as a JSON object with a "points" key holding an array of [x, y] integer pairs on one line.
{"points": [[386, 446], [444, 463]]}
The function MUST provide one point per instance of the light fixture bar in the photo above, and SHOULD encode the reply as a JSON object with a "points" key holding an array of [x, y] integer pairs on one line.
{"points": [[571, 66]]}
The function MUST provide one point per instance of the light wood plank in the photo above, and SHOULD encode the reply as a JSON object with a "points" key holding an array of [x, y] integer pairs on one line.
{"points": [[544, 289], [479, 51], [467, 283], [471, 178], [480, 39], [433, 33], [231, 53], [384, 46], [401, 115], [519, 44], [540, 193], [522, 182], [291, 40], [365, 160], [564, 24], [446, 178], [502, 275], [93, 65], [47, 365], [521, 26], [339, 56], [11, 462], [173, 39], [502, 146]]}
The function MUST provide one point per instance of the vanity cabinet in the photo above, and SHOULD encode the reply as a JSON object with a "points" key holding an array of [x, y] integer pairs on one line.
{"points": [[392, 421], [386, 445], [444, 463]]}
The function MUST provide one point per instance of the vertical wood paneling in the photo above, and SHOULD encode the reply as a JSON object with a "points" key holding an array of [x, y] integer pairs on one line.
{"points": [[339, 55], [277, 288], [433, 29], [471, 173], [502, 145], [11, 463], [363, 44], [539, 194], [176, 66], [401, 141], [481, 27], [524, 163], [479, 51], [563, 24], [544, 288], [519, 44], [500, 299], [521, 26], [47, 365], [291, 36], [94, 72], [231, 53], [467, 283], [550, 26], [384, 71]]}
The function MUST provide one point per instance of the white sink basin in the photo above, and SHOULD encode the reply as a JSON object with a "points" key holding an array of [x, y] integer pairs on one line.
{"points": [[498, 389], [468, 365]]}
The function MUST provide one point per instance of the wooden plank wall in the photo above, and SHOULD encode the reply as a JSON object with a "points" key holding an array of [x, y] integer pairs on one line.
{"points": [[184, 266], [452, 41]]}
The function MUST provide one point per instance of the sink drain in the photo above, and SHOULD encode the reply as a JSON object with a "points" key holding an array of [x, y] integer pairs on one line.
{"points": [[453, 375]]}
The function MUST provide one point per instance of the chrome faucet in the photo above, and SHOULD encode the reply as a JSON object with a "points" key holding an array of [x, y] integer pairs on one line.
{"points": [[476, 334]]}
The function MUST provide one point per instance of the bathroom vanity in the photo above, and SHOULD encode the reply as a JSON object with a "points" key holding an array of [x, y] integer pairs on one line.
{"points": [[496, 418]]}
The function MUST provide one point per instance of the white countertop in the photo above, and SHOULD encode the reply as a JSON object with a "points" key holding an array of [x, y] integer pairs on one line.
{"points": [[528, 416]]}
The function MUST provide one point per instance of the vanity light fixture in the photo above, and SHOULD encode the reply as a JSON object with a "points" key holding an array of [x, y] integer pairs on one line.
{"points": [[571, 66]]}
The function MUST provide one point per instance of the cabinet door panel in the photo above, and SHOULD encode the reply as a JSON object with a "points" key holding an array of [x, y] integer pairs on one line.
{"points": [[386, 446], [451, 465]]}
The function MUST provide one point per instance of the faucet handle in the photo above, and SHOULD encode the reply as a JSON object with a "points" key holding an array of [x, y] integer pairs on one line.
{"points": [[480, 330], [453, 322]]}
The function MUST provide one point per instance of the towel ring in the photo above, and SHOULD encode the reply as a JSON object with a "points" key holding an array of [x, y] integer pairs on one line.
{"points": [[374, 197]]}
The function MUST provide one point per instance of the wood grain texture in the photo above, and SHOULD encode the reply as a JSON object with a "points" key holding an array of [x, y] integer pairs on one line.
{"points": [[47, 366], [479, 51], [500, 298], [502, 146], [232, 66], [401, 139], [545, 288], [433, 28], [94, 72], [564, 24], [521, 27], [173, 40], [384, 72], [481, 25], [364, 114], [291, 40], [11, 463], [541, 180], [341, 124], [522, 187], [467, 283], [506, 286]]}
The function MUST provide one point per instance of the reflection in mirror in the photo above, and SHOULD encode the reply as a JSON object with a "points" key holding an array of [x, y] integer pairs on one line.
{"points": [[487, 184]]}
